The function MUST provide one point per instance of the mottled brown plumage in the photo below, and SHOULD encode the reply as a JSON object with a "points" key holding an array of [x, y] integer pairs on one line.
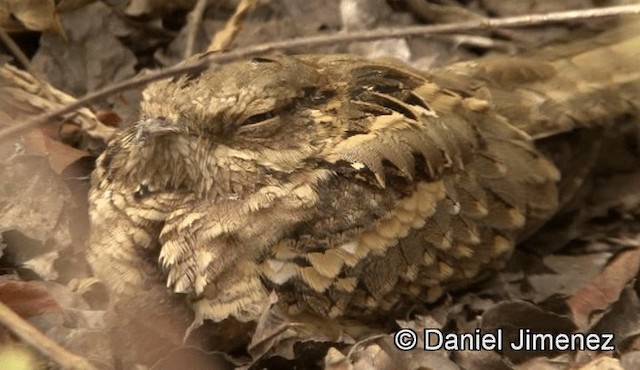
{"points": [[346, 186]]}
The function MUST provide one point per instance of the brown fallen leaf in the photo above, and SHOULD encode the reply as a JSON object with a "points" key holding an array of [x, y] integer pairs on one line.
{"points": [[568, 273], [59, 155], [604, 288], [34, 15], [27, 298], [630, 360], [603, 363], [108, 117], [514, 316], [622, 320], [37, 204], [561, 362], [193, 358]]}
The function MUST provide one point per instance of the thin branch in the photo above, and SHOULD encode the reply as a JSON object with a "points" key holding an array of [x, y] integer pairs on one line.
{"points": [[34, 96], [215, 60], [41, 342], [193, 26], [225, 36], [15, 49]]}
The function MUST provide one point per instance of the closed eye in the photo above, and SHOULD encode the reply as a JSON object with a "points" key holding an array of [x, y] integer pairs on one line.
{"points": [[258, 118]]}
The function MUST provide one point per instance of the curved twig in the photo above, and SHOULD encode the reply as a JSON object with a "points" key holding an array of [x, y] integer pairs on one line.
{"points": [[193, 26], [29, 334], [225, 36], [214, 60]]}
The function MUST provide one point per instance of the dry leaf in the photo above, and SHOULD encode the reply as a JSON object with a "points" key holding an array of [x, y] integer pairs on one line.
{"points": [[92, 58], [511, 317], [35, 201], [27, 298], [568, 273], [603, 363], [623, 321], [604, 289], [35, 15], [156, 7], [24, 95], [193, 358], [561, 362], [43, 265]]}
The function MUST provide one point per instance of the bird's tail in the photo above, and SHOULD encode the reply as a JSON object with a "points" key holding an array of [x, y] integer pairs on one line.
{"points": [[567, 97]]}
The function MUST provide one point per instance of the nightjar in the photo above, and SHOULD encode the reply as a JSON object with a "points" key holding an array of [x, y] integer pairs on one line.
{"points": [[346, 186]]}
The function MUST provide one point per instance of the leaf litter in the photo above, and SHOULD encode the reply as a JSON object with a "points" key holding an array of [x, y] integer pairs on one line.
{"points": [[589, 286]]}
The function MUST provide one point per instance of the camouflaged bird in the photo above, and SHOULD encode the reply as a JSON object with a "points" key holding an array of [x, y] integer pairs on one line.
{"points": [[346, 186]]}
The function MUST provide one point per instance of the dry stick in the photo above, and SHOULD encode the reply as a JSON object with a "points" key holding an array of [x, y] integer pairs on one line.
{"points": [[215, 60], [195, 18], [41, 342], [225, 36], [15, 50]]}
